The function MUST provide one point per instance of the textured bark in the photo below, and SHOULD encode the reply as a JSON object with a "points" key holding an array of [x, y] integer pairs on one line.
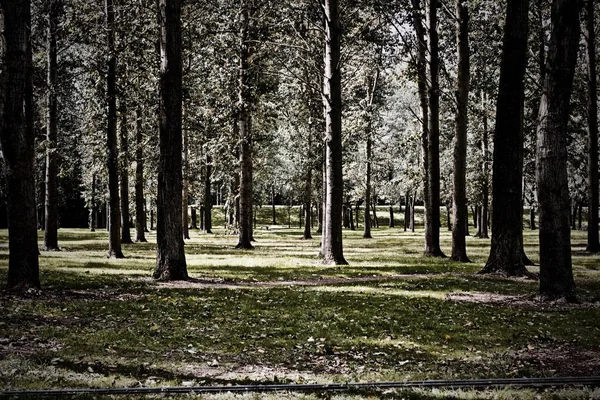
{"points": [[208, 196], [506, 247], [244, 126], [593, 241], [51, 198], [170, 259], [140, 211], [459, 193], [556, 274], [124, 170], [185, 183], [367, 227], [391, 222], [485, 189], [114, 224], [432, 213], [17, 143], [332, 99]]}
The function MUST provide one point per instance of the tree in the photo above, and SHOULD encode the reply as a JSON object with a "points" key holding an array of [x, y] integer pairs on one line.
{"points": [[506, 247], [51, 199], [459, 197], [432, 212], [124, 170], [170, 259], [114, 237], [332, 248], [140, 212], [556, 274], [593, 241], [17, 143]]}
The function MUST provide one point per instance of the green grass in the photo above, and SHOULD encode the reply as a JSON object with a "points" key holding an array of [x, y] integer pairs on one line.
{"points": [[274, 314]]}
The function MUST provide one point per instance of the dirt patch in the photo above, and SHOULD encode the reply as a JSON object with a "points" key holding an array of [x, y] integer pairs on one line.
{"points": [[531, 302], [562, 361]]}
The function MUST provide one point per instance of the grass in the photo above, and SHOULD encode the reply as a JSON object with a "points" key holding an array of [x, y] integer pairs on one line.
{"points": [[275, 314]]}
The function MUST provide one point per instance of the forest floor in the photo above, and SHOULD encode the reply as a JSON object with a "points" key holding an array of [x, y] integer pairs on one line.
{"points": [[275, 315]]}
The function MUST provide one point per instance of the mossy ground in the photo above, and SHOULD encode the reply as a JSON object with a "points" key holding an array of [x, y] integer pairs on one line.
{"points": [[275, 314]]}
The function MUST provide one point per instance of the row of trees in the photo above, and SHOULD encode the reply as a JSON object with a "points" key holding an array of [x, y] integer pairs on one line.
{"points": [[250, 101]]}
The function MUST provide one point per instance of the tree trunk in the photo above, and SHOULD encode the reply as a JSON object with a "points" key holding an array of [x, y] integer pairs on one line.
{"points": [[556, 274], [486, 184], [460, 216], [194, 218], [93, 216], [273, 213], [333, 252], [375, 223], [432, 213], [448, 219], [245, 233], [412, 213], [532, 218], [114, 224], [406, 211], [506, 247], [170, 260], [51, 200], [308, 186], [579, 217], [391, 223], [17, 140], [367, 227], [351, 217], [185, 182], [140, 212], [593, 241], [357, 215], [475, 212], [202, 214], [125, 229], [208, 196], [573, 218]]}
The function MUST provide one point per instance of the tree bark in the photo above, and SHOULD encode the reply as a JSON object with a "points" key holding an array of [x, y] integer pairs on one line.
{"points": [[125, 229], [459, 193], [140, 212], [432, 213], [244, 125], [114, 224], [367, 226], [486, 184], [51, 199], [185, 193], [391, 223], [194, 218], [593, 241], [506, 247], [556, 274], [406, 211], [333, 252], [17, 141], [170, 259], [308, 186], [208, 196]]}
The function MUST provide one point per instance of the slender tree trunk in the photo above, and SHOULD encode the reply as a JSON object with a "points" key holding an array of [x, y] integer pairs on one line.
{"points": [[432, 213], [506, 248], [114, 224], [51, 200], [185, 194], [593, 241], [532, 218], [391, 223], [556, 274], [460, 218], [486, 184], [245, 233], [194, 218], [273, 213], [375, 223], [351, 217], [579, 217], [140, 212], [208, 196], [170, 260], [323, 219], [412, 213], [367, 227], [92, 218], [202, 214], [308, 186], [333, 252], [17, 141], [406, 211], [125, 229], [357, 215]]}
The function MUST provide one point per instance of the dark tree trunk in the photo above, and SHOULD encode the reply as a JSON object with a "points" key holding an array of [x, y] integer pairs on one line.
{"points": [[51, 200], [375, 223], [93, 214], [556, 274], [406, 212], [391, 223], [357, 215], [573, 218], [579, 216], [532, 218], [412, 213], [460, 218], [17, 140], [273, 213], [323, 219], [151, 219], [346, 214], [170, 260], [333, 252], [475, 212], [367, 226], [125, 228], [506, 247], [593, 241], [432, 213], [114, 224], [319, 219], [208, 196], [448, 219], [140, 212], [244, 125], [486, 185], [202, 214], [185, 193], [194, 218]]}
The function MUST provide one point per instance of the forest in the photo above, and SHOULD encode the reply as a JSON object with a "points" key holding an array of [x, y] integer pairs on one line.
{"points": [[260, 192]]}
